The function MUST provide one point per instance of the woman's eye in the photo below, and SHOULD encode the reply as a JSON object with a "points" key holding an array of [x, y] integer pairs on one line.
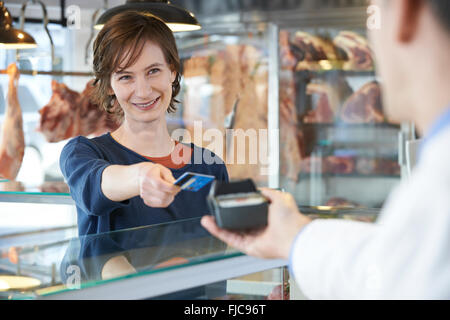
{"points": [[153, 71], [124, 78]]}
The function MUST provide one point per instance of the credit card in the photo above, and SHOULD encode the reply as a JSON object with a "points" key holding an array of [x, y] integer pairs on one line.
{"points": [[191, 181]]}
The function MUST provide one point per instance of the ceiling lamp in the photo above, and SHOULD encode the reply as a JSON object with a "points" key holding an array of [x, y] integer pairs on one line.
{"points": [[11, 38], [176, 18]]}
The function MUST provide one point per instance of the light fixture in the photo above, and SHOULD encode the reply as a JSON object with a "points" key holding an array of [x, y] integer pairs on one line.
{"points": [[176, 18], [11, 38]]}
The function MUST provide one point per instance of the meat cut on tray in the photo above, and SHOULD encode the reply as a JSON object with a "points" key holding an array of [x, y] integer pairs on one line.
{"points": [[364, 106], [12, 147], [346, 165], [310, 50], [70, 113], [327, 101], [346, 51], [355, 49]]}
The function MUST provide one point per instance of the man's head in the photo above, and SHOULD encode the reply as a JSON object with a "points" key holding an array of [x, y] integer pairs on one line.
{"points": [[411, 50]]}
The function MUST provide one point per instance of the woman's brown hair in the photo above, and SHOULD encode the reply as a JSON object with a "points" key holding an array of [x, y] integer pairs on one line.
{"points": [[123, 37]]}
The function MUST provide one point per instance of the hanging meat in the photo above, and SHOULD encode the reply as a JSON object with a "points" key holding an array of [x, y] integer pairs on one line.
{"points": [[355, 50], [292, 140], [12, 145], [214, 81], [364, 106], [288, 61], [70, 113]]}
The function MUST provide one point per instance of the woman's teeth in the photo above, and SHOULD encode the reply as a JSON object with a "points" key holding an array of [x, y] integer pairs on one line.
{"points": [[148, 104]]}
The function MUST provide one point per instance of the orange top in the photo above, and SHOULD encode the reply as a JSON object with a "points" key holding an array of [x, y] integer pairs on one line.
{"points": [[179, 157]]}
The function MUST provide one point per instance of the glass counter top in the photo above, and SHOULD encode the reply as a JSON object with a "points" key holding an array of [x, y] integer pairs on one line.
{"points": [[144, 257], [82, 262]]}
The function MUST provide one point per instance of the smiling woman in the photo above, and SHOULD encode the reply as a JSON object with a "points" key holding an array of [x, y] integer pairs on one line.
{"points": [[122, 48], [125, 178], [144, 86]]}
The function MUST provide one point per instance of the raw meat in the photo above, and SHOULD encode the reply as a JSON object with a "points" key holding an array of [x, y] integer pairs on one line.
{"points": [[287, 59], [12, 146], [388, 167], [340, 165], [69, 114], [292, 142], [326, 105], [379, 166], [342, 203], [57, 117], [358, 55], [214, 80], [366, 166], [314, 164], [329, 98], [311, 50], [364, 105]]}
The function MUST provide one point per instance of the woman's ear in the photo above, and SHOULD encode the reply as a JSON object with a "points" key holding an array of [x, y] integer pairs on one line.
{"points": [[173, 76]]}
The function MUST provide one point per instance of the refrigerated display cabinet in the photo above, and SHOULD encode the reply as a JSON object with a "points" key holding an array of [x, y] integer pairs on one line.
{"points": [[317, 96], [178, 260], [255, 65]]}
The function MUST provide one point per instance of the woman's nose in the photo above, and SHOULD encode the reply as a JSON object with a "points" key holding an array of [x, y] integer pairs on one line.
{"points": [[143, 88]]}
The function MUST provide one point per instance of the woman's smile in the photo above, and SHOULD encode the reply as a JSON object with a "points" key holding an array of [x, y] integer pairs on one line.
{"points": [[146, 105]]}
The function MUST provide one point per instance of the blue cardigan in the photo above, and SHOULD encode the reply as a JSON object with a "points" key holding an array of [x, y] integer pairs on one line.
{"points": [[82, 162]]}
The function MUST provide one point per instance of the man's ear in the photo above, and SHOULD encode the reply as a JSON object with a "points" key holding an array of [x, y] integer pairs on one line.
{"points": [[410, 12]]}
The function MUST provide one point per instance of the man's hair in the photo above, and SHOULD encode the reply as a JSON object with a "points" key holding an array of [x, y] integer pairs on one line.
{"points": [[441, 9]]}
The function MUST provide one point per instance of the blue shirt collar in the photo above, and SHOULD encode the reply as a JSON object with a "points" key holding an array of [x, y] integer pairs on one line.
{"points": [[439, 125]]}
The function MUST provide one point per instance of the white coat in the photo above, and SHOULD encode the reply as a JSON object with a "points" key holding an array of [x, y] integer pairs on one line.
{"points": [[404, 255]]}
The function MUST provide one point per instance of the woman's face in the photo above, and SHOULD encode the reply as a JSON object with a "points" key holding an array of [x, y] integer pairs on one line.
{"points": [[144, 90]]}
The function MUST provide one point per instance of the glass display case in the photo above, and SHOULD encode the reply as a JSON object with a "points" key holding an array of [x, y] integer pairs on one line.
{"points": [[337, 148], [328, 141], [224, 104], [285, 92], [178, 260]]}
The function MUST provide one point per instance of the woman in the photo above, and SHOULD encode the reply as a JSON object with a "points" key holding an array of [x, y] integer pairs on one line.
{"points": [[125, 178]]}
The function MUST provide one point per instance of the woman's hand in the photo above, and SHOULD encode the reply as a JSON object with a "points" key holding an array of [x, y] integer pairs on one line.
{"points": [[116, 267], [151, 181], [156, 186], [273, 241]]}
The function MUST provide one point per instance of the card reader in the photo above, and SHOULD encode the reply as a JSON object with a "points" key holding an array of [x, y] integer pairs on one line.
{"points": [[238, 205]]}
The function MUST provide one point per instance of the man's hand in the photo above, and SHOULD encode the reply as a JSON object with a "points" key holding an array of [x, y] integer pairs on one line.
{"points": [[273, 241], [156, 186]]}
